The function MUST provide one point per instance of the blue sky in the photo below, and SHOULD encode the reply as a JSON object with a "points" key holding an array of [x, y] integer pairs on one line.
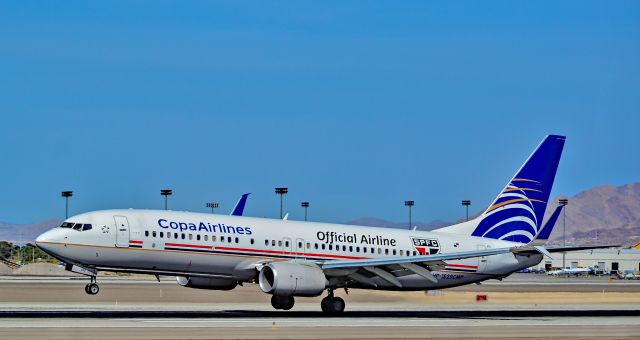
{"points": [[355, 106]]}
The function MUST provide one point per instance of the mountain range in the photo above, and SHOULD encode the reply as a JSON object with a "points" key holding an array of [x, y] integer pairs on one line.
{"points": [[601, 215]]}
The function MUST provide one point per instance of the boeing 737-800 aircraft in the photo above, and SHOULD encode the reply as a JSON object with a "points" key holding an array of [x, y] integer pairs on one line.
{"points": [[293, 258]]}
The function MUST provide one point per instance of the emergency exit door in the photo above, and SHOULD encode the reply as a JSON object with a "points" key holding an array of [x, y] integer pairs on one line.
{"points": [[122, 231]]}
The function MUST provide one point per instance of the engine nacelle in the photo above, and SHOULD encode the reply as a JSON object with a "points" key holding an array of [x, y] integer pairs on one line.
{"points": [[292, 279], [206, 283]]}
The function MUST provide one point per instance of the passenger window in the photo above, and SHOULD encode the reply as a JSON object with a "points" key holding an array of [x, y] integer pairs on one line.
{"points": [[379, 250], [175, 235], [273, 243], [153, 233], [191, 236], [279, 243], [408, 253], [221, 239], [286, 243], [331, 247], [351, 248], [206, 238], [315, 246], [386, 251], [364, 249], [161, 234], [237, 240], [373, 250], [198, 237], [229, 239], [86, 227], [415, 253], [299, 244], [323, 246], [308, 245], [183, 236], [394, 252], [252, 242], [357, 249], [266, 242], [146, 233], [168, 235], [213, 238]]}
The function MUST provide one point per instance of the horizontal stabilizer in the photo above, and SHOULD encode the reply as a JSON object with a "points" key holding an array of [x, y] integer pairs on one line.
{"points": [[563, 249]]}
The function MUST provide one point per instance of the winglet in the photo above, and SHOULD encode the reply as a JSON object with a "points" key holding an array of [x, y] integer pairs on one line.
{"points": [[545, 232], [239, 208]]}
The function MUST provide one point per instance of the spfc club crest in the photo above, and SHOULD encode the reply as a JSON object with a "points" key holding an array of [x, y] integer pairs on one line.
{"points": [[426, 246]]}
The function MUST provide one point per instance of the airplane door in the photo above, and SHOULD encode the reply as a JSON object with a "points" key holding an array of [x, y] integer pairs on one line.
{"points": [[482, 260], [300, 249], [122, 231], [287, 245]]}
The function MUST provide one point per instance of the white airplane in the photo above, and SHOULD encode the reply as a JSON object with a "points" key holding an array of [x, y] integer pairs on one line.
{"points": [[293, 258], [568, 271]]}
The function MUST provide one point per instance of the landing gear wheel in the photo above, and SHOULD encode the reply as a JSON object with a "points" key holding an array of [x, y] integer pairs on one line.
{"points": [[332, 305], [92, 288], [86, 288], [282, 302]]}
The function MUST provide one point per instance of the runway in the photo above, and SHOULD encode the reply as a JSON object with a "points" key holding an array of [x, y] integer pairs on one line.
{"points": [[359, 325], [522, 306]]}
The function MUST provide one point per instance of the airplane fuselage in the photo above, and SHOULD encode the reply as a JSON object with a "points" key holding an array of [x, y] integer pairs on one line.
{"points": [[232, 247]]}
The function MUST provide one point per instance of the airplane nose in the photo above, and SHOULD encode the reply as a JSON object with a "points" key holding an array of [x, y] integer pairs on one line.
{"points": [[48, 236]]}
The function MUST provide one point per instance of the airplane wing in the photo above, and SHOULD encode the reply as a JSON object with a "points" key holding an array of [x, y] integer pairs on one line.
{"points": [[389, 269]]}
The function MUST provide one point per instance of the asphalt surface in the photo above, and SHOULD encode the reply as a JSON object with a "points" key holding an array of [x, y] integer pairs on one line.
{"points": [[532, 306]]}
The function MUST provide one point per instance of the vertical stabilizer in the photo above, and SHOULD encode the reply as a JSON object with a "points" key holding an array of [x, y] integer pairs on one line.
{"points": [[516, 214]]}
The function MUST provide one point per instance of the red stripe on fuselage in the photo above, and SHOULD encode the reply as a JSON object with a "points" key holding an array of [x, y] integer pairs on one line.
{"points": [[187, 245], [135, 242], [279, 252], [461, 266]]}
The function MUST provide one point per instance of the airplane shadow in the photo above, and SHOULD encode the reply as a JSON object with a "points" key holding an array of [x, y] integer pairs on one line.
{"points": [[232, 314]]}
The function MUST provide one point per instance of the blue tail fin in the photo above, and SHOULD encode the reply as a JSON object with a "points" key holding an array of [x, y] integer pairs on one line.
{"points": [[545, 232], [516, 214], [238, 210]]}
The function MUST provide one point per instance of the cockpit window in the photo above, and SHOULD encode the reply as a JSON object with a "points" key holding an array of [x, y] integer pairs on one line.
{"points": [[76, 226]]}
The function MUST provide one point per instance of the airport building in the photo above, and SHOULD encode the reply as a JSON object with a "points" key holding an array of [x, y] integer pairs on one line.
{"points": [[612, 259]]}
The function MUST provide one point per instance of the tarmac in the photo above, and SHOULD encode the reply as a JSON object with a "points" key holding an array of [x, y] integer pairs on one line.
{"points": [[526, 305]]}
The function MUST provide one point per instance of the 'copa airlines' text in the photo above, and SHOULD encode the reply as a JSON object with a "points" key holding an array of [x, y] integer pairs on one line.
{"points": [[202, 226]]}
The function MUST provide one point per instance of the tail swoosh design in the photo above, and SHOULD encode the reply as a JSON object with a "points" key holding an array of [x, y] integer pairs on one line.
{"points": [[516, 214]]}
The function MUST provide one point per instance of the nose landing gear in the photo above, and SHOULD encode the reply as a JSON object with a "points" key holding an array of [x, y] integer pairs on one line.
{"points": [[332, 304], [92, 288]]}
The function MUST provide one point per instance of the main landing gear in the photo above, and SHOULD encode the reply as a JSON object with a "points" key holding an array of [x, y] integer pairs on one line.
{"points": [[92, 288], [282, 302], [332, 304]]}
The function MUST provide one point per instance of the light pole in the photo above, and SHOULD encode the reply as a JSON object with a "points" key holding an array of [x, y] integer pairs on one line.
{"points": [[305, 205], [212, 205], [466, 203], [564, 201], [281, 192], [409, 204], [66, 195], [33, 252], [166, 193]]}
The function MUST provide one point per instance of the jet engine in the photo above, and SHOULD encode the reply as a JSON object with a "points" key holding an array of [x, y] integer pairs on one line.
{"points": [[292, 279], [206, 283]]}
